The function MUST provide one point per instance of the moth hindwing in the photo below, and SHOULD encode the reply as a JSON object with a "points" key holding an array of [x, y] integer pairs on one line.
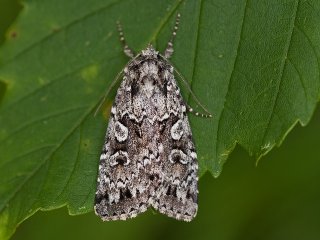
{"points": [[148, 157]]}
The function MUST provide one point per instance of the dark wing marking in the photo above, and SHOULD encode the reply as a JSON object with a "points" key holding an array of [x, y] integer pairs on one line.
{"points": [[122, 190], [177, 194]]}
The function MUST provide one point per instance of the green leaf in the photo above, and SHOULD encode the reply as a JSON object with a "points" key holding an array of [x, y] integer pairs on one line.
{"points": [[254, 64]]}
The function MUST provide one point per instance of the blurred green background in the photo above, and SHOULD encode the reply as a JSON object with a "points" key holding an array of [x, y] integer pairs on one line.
{"points": [[278, 199]]}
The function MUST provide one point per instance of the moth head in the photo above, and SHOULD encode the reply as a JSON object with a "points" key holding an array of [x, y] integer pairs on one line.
{"points": [[150, 52]]}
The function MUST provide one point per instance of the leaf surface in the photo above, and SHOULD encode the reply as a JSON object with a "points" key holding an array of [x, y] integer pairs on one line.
{"points": [[254, 64]]}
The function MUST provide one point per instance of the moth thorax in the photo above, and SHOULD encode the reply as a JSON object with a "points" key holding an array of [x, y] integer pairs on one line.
{"points": [[148, 85], [149, 68], [150, 52]]}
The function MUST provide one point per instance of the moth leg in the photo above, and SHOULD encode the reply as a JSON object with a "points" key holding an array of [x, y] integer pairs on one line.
{"points": [[169, 50], [126, 48]]}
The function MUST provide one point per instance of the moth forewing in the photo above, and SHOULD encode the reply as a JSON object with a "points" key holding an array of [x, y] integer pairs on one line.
{"points": [[148, 157]]}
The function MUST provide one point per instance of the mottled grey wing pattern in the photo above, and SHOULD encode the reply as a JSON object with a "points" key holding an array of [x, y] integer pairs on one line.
{"points": [[122, 190], [177, 194], [148, 158]]}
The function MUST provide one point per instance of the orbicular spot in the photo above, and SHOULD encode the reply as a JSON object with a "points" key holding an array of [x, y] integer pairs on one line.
{"points": [[177, 130], [119, 158], [177, 156], [120, 131]]}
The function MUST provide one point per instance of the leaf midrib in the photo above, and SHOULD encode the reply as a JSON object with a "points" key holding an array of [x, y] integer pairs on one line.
{"points": [[196, 49], [165, 20]]}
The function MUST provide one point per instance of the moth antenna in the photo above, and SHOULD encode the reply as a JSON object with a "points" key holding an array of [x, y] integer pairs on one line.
{"points": [[169, 50], [190, 90], [192, 94], [128, 51], [191, 110]]}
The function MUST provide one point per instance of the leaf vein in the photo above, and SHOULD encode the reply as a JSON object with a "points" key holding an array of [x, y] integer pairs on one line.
{"points": [[49, 155], [312, 47], [165, 20], [281, 73], [196, 49], [73, 22], [300, 79], [51, 115], [73, 168], [231, 75], [50, 82]]}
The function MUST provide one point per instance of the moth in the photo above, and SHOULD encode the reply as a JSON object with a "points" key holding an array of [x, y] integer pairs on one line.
{"points": [[148, 157]]}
